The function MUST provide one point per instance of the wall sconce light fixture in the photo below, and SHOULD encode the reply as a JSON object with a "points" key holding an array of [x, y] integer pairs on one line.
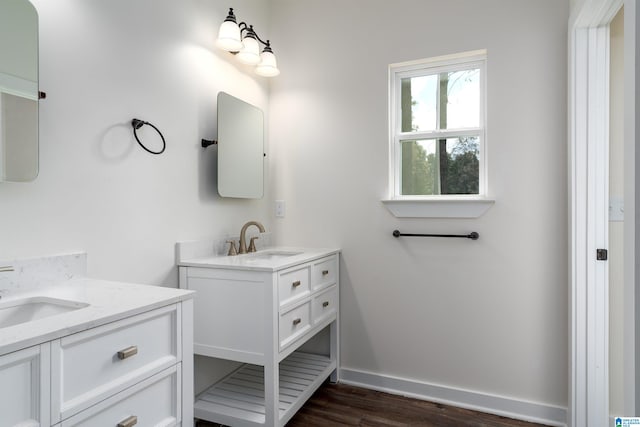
{"points": [[243, 41]]}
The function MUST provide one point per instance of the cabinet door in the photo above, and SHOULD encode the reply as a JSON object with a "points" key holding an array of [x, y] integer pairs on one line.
{"points": [[24, 387]]}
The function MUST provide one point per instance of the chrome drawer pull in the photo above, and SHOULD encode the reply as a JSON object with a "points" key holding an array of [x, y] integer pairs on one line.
{"points": [[296, 321], [325, 304], [296, 283], [128, 352], [325, 272], [129, 422]]}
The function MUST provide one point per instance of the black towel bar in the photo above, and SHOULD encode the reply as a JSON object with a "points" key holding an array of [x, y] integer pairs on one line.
{"points": [[473, 235]]}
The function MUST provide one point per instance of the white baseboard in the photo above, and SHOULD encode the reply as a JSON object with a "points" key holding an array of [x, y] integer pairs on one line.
{"points": [[498, 405]]}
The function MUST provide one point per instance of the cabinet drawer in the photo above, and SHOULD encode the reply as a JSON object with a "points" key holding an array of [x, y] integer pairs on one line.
{"points": [[324, 305], [294, 323], [152, 402], [90, 366], [324, 272], [293, 285]]}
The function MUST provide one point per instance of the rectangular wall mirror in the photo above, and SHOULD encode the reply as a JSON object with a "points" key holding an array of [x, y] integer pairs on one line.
{"points": [[18, 91], [240, 148]]}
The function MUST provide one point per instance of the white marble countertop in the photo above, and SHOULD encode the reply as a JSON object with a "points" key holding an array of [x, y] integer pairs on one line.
{"points": [[108, 301], [268, 259]]}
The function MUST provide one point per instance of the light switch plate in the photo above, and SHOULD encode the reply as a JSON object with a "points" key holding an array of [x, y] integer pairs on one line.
{"points": [[616, 209], [280, 208]]}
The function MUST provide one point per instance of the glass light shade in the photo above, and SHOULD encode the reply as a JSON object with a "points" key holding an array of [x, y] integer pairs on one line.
{"points": [[250, 53], [268, 66], [229, 37]]}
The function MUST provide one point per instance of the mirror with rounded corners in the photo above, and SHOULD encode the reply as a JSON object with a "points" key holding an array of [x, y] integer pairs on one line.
{"points": [[18, 91], [240, 148]]}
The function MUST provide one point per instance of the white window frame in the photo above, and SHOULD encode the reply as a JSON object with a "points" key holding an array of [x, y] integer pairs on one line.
{"points": [[444, 205]]}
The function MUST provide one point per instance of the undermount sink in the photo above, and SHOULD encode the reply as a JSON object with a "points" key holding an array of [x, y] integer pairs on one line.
{"points": [[271, 255], [33, 308]]}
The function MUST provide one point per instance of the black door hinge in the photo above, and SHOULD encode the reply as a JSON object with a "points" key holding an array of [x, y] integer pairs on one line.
{"points": [[602, 254]]}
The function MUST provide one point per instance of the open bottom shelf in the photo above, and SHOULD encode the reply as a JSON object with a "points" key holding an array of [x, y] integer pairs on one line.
{"points": [[238, 399]]}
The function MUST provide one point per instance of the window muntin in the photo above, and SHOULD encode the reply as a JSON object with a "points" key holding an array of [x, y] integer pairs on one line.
{"points": [[438, 146]]}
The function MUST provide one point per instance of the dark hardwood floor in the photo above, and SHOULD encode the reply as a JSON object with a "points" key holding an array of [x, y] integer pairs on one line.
{"points": [[342, 405]]}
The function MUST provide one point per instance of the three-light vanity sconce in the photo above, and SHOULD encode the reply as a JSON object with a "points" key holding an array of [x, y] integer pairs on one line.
{"points": [[243, 41]]}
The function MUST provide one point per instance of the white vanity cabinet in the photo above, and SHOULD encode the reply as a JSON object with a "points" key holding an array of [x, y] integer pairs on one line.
{"points": [[261, 313], [136, 370]]}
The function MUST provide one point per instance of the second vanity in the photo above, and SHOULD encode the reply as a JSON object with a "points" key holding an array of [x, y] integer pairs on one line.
{"points": [[260, 309], [76, 351]]}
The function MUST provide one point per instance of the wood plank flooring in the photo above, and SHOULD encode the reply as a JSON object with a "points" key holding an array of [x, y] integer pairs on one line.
{"points": [[342, 405]]}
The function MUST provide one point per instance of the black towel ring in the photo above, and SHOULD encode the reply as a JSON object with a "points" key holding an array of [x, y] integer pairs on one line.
{"points": [[137, 124]]}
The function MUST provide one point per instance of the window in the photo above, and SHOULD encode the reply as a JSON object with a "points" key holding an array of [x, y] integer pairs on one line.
{"points": [[438, 127]]}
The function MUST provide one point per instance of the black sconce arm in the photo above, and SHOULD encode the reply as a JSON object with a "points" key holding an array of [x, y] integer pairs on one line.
{"points": [[249, 29]]}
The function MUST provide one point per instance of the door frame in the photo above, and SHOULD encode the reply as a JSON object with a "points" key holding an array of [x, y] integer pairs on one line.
{"points": [[589, 202], [631, 315]]}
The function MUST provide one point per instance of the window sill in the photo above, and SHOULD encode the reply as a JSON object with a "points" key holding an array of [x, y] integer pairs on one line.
{"points": [[438, 208]]}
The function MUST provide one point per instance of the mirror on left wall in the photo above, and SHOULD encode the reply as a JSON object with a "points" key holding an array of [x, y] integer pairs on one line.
{"points": [[19, 91]]}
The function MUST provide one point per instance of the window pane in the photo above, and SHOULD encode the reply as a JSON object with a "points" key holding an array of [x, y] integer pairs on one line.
{"points": [[460, 167], [462, 99], [443, 166], [419, 168], [418, 103]]}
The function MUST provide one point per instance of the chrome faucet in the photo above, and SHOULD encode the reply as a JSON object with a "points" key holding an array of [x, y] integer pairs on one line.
{"points": [[243, 240]]}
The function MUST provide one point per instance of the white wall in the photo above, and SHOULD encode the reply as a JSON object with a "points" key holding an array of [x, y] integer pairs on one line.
{"points": [[103, 63], [18, 137], [487, 316]]}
